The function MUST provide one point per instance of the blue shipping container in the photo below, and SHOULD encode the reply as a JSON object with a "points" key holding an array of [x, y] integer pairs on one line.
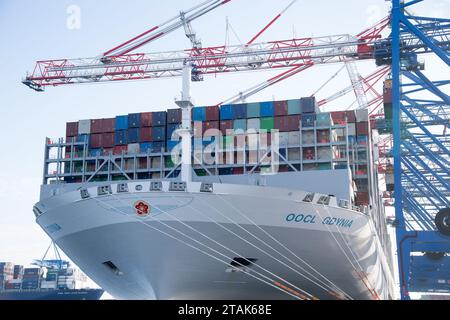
{"points": [[121, 123], [240, 111], [134, 120], [294, 107], [308, 120], [121, 138], [146, 147], [171, 128], [95, 152], [308, 105], [159, 118], [159, 133], [267, 109], [157, 146], [253, 110], [226, 112], [83, 138], [240, 124], [199, 114], [133, 135], [172, 144]]}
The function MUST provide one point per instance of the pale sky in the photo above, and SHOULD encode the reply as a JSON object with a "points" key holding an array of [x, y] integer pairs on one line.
{"points": [[32, 30]]}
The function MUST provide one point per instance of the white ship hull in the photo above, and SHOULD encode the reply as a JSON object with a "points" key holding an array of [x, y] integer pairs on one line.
{"points": [[184, 247]]}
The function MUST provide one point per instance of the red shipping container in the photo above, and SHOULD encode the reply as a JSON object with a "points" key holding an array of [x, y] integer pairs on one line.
{"points": [[146, 119], [96, 125], [294, 122], [71, 129], [71, 139], [362, 128], [280, 108], [339, 117], [225, 126], [108, 140], [212, 127], [142, 163], [387, 95], [351, 116], [145, 134], [108, 125], [212, 113], [238, 170], [96, 141], [362, 198], [118, 150], [281, 124]]}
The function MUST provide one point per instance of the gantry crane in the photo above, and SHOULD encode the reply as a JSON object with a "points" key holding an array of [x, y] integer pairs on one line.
{"points": [[421, 148], [421, 157]]}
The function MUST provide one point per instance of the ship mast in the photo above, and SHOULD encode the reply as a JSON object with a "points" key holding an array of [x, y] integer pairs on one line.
{"points": [[185, 132]]}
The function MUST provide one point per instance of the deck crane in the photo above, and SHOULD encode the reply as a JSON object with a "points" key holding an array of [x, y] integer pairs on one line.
{"points": [[421, 174]]}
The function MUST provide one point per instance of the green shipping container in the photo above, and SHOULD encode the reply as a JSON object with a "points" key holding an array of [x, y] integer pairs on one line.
{"points": [[267, 124], [119, 178], [323, 119], [201, 173], [294, 107], [253, 110], [169, 163], [388, 111], [324, 166], [227, 141]]}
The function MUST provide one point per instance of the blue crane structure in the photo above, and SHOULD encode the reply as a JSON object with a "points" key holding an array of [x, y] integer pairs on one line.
{"points": [[421, 147]]}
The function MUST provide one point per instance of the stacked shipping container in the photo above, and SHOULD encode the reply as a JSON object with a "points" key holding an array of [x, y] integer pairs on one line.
{"points": [[15, 277], [304, 135]]}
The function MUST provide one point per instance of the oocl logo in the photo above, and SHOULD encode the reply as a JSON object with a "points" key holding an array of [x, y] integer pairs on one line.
{"points": [[142, 208]]}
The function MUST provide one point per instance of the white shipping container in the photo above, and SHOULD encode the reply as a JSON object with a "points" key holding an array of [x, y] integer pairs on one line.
{"points": [[48, 284], [308, 137], [156, 162], [351, 129], [15, 281], [294, 138], [84, 127], [324, 153], [253, 124], [294, 154], [156, 175], [284, 139], [252, 141], [133, 148], [362, 115]]}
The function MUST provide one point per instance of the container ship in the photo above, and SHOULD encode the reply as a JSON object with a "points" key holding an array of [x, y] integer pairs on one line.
{"points": [[56, 281], [282, 202]]}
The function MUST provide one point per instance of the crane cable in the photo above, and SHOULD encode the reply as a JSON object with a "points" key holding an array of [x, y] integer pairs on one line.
{"points": [[343, 251], [321, 285], [333, 285], [268, 282], [306, 294]]}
